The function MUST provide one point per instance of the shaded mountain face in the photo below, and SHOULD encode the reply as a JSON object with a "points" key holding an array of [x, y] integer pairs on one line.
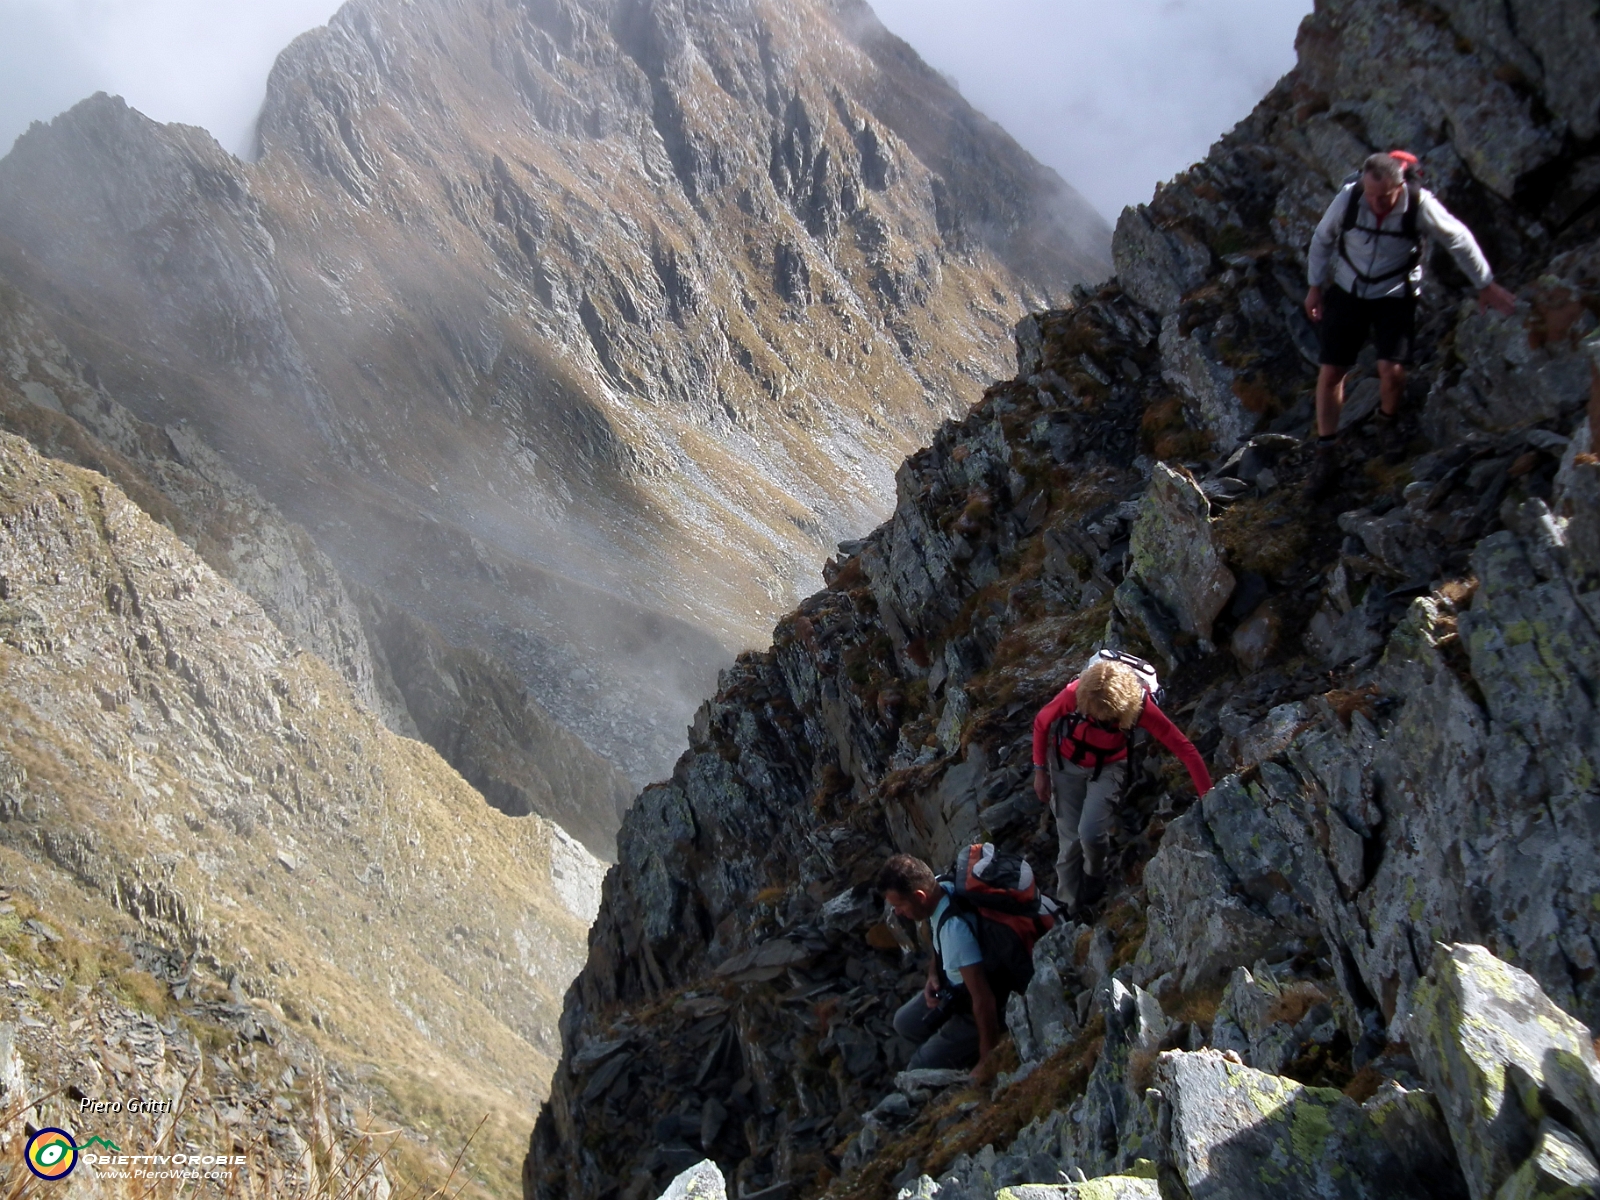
{"points": [[1393, 683], [576, 330]]}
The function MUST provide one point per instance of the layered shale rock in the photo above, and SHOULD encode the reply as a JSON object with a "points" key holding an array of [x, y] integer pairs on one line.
{"points": [[1395, 691], [579, 330], [170, 754]]}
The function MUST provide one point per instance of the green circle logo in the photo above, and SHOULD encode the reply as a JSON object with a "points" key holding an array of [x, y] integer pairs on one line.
{"points": [[52, 1154]]}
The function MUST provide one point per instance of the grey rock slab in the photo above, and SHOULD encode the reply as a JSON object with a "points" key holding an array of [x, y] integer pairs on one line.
{"points": [[1156, 266], [1106, 1187], [1042, 1017], [1236, 1134], [1487, 1040], [1174, 555], [1560, 1168], [1198, 926], [1188, 364], [703, 1181], [930, 1079]]}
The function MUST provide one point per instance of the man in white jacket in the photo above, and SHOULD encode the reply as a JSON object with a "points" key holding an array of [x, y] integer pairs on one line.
{"points": [[1371, 244]]}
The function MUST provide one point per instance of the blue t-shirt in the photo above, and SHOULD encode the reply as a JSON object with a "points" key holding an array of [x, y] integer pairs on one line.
{"points": [[958, 945]]}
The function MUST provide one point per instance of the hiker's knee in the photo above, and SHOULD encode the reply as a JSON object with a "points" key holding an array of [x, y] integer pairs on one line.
{"points": [[1391, 370], [1331, 376], [911, 1021], [1094, 855]]}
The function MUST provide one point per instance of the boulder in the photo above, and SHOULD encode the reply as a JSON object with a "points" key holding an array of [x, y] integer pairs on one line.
{"points": [[1107, 1187], [1042, 1017], [1500, 1056], [1560, 1168], [1197, 925], [1269, 1024], [703, 1181], [1156, 266], [1188, 365], [1256, 639], [1174, 556], [1238, 1133]]}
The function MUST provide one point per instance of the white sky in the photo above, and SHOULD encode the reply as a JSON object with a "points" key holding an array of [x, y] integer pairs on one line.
{"points": [[1116, 95]]}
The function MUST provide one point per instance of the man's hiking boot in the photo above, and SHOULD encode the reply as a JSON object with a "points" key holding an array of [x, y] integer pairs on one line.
{"points": [[1324, 472], [1091, 891], [1391, 438]]}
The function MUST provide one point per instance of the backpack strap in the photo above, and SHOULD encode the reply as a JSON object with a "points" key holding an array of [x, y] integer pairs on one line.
{"points": [[1408, 230], [1083, 753], [963, 910]]}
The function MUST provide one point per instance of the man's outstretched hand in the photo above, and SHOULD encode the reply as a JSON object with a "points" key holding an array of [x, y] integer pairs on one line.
{"points": [[1496, 297]]}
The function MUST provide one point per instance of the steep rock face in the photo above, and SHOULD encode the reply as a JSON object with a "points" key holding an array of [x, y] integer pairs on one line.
{"points": [[466, 705], [636, 297], [1395, 691], [168, 750]]}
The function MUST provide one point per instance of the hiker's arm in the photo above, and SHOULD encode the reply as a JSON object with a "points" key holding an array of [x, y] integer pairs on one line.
{"points": [[1319, 260], [1170, 736], [984, 1015], [1452, 233], [1048, 716]]}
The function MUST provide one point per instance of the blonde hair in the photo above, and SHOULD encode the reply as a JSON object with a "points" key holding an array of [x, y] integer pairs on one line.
{"points": [[1110, 692]]}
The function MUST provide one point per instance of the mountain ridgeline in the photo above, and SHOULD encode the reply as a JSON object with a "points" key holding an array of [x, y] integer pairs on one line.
{"points": [[574, 332], [1343, 972]]}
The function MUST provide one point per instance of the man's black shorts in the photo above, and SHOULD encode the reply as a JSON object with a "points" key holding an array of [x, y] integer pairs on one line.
{"points": [[1347, 320]]}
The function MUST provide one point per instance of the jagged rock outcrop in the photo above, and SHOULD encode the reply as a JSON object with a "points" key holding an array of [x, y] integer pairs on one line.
{"points": [[113, 1038], [465, 704], [1508, 1061], [579, 330], [1396, 696], [170, 753]]}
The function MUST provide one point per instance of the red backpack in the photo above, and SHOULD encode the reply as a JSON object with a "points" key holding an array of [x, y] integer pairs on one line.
{"points": [[997, 895]]}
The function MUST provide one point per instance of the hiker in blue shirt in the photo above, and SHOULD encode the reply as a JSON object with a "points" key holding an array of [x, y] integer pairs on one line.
{"points": [[954, 1021]]}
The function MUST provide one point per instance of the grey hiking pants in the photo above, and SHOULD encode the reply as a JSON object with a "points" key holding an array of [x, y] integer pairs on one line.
{"points": [[948, 1042], [1084, 807]]}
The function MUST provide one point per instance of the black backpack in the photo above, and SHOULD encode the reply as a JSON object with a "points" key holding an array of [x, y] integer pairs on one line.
{"points": [[1408, 228], [996, 894]]}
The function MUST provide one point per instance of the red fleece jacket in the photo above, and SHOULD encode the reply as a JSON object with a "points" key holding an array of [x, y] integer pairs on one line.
{"points": [[1151, 719]]}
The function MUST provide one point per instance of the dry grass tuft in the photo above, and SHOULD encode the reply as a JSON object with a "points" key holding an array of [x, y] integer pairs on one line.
{"points": [[1294, 1002], [1266, 534], [1364, 1084], [1346, 703]]}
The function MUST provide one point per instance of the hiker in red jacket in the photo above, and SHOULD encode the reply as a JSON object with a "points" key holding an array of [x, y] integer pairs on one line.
{"points": [[1080, 752]]}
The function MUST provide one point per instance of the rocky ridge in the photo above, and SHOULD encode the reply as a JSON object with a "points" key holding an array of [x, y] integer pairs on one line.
{"points": [[524, 307], [1394, 684], [177, 774]]}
